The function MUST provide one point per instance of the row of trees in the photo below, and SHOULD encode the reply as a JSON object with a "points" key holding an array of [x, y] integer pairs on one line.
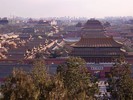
{"points": [[72, 82]]}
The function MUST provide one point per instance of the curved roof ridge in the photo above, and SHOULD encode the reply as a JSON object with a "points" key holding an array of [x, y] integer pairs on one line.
{"points": [[97, 42]]}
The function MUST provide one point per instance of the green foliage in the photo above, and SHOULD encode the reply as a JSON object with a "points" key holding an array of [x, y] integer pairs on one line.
{"points": [[19, 86], [120, 81], [41, 79], [76, 78], [39, 71], [59, 92], [72, 82]]}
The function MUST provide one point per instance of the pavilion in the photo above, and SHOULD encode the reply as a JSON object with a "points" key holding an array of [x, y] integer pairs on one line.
{"points": [[98, 50]]}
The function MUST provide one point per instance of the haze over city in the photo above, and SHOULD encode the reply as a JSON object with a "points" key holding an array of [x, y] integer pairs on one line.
{"points": [[60, 8]]}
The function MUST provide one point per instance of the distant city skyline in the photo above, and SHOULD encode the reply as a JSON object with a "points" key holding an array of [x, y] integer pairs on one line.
{"points": [[60, 8]]}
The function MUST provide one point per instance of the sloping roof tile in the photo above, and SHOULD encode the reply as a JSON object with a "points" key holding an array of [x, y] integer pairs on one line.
{"points": [[97, 42]]}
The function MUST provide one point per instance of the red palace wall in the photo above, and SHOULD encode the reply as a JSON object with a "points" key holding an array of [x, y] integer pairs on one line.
{"points": [[100, 69]]}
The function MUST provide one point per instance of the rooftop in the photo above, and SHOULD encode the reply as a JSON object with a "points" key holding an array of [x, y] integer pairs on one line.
{"points": [[93, 28], [97, 42], [93, 24]]}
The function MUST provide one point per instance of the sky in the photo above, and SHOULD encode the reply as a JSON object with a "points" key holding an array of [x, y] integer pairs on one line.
{"points": [[61, 8]]}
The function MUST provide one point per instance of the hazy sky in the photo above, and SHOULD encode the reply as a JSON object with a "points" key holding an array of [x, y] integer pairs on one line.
{"points": [[58, 8]]}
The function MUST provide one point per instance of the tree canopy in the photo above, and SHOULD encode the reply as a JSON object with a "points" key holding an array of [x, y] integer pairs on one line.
{"points": [[120, 80], [72, 82], [76, 79]]}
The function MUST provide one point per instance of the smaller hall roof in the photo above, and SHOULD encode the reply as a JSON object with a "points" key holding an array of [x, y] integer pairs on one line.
{"points": [[97, 42], [93, 24]]}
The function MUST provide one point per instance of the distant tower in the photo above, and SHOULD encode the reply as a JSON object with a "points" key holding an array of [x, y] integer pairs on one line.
{"points": [[93, 28]]}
